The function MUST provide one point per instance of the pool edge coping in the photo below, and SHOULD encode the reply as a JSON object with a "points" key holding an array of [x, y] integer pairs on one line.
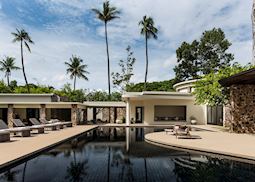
{"points": [[37, 152], [231, 156]]}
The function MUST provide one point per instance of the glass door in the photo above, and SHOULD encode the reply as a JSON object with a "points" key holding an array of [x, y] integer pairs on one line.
{"points": [[139, 115]]}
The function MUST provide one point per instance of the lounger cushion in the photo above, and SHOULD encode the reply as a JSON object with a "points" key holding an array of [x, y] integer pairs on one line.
{"points": [[2, 132], [19, 129]]}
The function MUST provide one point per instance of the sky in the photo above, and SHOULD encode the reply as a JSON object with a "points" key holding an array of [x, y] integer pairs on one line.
{"points": [[62, 28]]}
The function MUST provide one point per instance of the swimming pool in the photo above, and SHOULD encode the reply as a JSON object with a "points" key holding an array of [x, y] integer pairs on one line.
{"points": [[120, 154]]}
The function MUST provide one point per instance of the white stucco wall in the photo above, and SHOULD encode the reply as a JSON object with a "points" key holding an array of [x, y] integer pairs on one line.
{"points": [[197, 111], [25, 98]]}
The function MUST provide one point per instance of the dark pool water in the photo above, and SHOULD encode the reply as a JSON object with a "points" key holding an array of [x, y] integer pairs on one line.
{"points": [[109, 155]]}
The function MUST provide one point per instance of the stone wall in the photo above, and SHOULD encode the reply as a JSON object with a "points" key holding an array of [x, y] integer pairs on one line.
{"points": [[242, 106], [121, 112]]}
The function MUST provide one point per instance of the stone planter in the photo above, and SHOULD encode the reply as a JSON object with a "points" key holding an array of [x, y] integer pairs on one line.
{"points": [[193, 121]]}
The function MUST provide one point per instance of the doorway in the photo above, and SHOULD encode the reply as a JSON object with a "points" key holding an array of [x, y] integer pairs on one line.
{"points": [[32, 113], [139, 114], [215, 115]]}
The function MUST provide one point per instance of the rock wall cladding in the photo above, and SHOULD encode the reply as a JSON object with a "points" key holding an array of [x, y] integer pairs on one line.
{"points": [[242, 101], [121, 113]]}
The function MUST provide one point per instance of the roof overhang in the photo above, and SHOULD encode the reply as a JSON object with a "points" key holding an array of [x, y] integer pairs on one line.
{"points": [[157, 95], [185, 83], [104, 104], [60, 105], [245, 77], [25, 95]]}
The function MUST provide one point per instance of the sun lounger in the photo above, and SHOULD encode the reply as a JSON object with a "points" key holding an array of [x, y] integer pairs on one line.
{"points": [[65, 123], [23, 131], [38, 128], [181, 131], [54, 121], [52, 127], [169, 131], [4, 136]]}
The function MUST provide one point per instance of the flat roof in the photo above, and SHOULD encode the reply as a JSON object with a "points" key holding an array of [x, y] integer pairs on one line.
{"points": [[157, 95], [22, 95], [104, 104], [184, 83], [244, 77], [37, 104], [53, 103]]}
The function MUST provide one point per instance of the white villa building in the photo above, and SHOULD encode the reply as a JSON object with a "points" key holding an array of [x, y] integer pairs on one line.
{"points": [[137, 107], [165, 107]]}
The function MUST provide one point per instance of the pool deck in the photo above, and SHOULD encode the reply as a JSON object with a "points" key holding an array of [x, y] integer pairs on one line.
{"points": [[214, 140], [21, 147]]}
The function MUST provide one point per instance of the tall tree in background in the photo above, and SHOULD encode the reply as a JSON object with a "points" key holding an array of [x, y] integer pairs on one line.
{"points": [[188, 64], [207, 55], [76, 69], [23, 37], [213, 48], [107, 14], [122, 79], [149, 31], [253, 31], [7, 65]]}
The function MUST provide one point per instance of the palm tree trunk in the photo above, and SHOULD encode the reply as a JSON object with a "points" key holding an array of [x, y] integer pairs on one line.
{"points": [[253, 31], [8, 81], [74, 83], [24, 171], [145, 169], [23, 67], [108, 61], [146, 69]]}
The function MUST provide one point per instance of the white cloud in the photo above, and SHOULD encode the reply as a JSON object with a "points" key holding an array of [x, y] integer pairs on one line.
{"points": [[178, 21], [170, 61]]}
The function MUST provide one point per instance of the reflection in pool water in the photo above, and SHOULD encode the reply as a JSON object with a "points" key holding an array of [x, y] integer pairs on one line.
{"points": [[120, 154]]}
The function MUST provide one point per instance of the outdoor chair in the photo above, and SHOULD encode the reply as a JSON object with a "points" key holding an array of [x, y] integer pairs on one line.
{"points": [[181, 130], [38, 128], [23, 131], [52, 127], [65, 123], [4, 136], [44, 121]]}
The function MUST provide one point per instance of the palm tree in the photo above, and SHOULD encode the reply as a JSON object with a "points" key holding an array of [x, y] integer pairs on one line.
{"points": [[23, 37], [7, 65], [76, 69], [107, 14], [149, 31]]}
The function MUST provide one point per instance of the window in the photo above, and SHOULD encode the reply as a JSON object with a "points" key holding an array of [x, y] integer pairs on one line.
{"points": [[170, 113]]}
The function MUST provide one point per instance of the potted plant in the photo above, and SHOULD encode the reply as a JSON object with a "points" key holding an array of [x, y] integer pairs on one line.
{"points": [[193, 120]]}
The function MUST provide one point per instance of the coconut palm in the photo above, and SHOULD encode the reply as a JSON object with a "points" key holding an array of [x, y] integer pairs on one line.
{"points": [[149, 31], [7, 65], [107, 14], [23, 37], [76, 69]]}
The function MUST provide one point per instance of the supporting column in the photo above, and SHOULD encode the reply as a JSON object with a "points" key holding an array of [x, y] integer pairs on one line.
{"points": [[94, 115], [43, 111], [128, 112], [74, 114], [85, 114], [115, 114], [10, 116]]}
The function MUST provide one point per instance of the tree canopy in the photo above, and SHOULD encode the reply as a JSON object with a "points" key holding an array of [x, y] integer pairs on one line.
{"points": [[122, 79], [166, 85], [207, 55], [208, 89]]}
